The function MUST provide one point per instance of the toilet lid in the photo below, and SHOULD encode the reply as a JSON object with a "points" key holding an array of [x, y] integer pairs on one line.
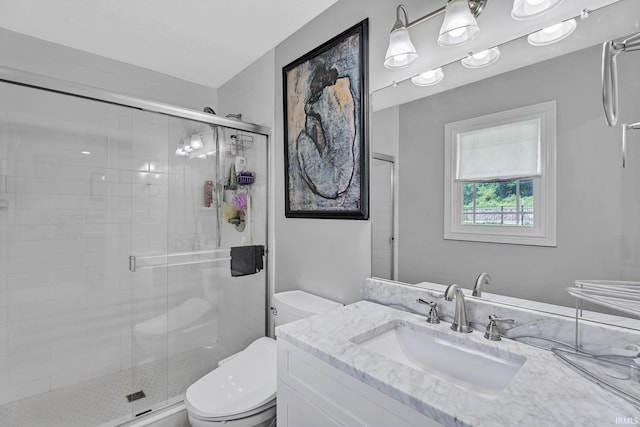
{"points": [[245, 382]]}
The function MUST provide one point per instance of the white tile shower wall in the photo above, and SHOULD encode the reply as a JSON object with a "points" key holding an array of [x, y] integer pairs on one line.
{"points": [[68, 223]]}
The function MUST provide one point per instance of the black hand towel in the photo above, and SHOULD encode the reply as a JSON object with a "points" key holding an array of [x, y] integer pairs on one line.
{"points": [[246, 260]]}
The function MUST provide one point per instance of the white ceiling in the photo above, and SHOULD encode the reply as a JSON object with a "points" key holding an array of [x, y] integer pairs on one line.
{"points": [[202, 41]]}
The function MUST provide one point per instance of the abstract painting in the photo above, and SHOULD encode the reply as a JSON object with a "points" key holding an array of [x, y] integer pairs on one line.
{"points": [[326, 129]]}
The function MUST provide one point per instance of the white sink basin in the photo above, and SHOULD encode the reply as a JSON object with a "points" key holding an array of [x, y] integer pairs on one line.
{"points": [[473, 366]]}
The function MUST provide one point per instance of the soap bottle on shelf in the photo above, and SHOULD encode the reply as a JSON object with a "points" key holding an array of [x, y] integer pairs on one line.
{"points": [[208, 194], [233, 184]]}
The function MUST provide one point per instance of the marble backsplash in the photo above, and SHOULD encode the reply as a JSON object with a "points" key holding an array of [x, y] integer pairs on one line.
{"points": [[531, 319]]}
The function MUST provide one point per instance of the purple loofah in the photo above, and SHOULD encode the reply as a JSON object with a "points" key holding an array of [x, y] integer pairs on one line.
{"points": [[240, 201]]}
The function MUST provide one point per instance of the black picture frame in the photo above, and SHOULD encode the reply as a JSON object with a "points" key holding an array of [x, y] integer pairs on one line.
{"points": [[326, 129]]}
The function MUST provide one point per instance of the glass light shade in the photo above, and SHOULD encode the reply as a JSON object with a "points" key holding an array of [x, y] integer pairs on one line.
{"points": [[482, 58], [196, 142], [552, 34], [527, 9], [428, 78], [459, 25], [401, 51]]}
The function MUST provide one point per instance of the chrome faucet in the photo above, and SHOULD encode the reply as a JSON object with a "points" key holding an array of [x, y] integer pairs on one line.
{"points": [[483, 279], [460, 323]]}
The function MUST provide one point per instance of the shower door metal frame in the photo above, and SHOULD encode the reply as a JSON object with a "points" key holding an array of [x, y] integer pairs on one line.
{"points": [[64, 87], [51, 84], [392, 160]]}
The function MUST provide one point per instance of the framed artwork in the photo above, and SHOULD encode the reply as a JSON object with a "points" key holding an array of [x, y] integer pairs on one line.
{"points": [[326, 129]]}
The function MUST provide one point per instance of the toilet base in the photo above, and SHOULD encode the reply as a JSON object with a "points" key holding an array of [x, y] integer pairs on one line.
{"points": [[261, 419]]}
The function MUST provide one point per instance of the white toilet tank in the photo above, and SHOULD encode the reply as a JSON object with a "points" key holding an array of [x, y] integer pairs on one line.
{"points": [[295, 305]]}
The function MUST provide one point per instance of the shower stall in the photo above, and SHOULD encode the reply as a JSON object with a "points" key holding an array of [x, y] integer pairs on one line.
{"points": [[117, 216]]}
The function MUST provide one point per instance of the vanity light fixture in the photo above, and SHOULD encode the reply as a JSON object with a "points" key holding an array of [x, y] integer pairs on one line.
{"points": [[552, 34], [401, 52], [458, 27], [482, 58], [528, 9], [428, 78]]}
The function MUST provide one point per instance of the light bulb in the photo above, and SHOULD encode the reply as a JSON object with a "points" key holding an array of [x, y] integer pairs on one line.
{"points": [[457, 32], [481, 55], [428, 78], [552, 29]]}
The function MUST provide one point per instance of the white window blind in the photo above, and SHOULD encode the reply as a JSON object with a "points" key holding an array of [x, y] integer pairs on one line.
{"points": [[505, 152]]}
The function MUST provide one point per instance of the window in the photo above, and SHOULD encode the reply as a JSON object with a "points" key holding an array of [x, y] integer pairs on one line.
{"points": [[500, 177]]}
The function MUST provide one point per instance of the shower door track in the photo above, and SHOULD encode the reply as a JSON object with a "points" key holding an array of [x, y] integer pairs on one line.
{"points": [[64, 87]]}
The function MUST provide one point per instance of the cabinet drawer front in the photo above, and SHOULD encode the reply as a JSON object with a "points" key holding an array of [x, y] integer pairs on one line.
{"points": [[349, 401], [296, 411]]}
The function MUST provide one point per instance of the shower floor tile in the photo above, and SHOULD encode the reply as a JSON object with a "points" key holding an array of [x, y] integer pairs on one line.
{"points": [[103, 402]]}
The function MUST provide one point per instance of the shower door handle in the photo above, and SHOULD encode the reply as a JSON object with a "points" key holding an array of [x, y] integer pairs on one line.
{"points": [[610, 82], [132, 264]]}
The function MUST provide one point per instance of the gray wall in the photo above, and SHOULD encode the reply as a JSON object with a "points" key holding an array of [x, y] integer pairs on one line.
{"points": [[385, 127], [250, 92], [330, 258], [54, 60], [591, 186]]}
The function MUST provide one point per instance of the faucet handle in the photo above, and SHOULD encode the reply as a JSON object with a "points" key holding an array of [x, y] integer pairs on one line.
{"points": [[433, 311], [493, 333]]}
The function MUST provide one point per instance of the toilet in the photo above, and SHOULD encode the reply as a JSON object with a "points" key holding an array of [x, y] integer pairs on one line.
{"points": [[241, 391]]}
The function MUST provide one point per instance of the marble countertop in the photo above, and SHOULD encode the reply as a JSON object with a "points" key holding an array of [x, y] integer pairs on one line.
{"points": [[544, 392]]}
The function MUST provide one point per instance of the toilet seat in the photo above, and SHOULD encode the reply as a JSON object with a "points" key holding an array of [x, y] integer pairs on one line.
{"points": [[261, 419], [265, 407], [243, 386]]}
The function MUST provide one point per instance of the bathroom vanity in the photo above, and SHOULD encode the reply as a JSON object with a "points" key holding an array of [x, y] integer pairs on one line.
{"points": [[314, 393], [345, 368]]}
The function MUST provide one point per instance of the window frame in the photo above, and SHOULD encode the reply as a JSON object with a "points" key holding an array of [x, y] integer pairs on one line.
{"points": [[543, 232]]}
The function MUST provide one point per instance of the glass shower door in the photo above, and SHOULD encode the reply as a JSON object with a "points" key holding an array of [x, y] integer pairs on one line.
{"points": [[65, 224], [188, 312], [148, 334]]}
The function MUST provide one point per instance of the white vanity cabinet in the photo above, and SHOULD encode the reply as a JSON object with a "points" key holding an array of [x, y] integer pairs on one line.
{"points": [[312, 393]]}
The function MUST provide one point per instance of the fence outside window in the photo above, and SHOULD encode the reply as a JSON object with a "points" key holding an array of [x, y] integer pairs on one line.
{"points": [[502, 215]]}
